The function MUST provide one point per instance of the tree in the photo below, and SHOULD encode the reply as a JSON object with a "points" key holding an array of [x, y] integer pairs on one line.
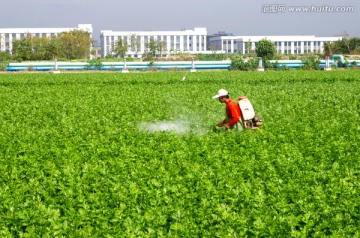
{"points": [[32, 48], [55, 48], [120, 48], [357, 50], [346, 45], [311, 62], [248, 46], [239, 63], [40, 48], [22, 48], [76, 44], [71, 45], [328, 49], [135, 43], [213, 49], [354, 44], [153, 47], [4, 56], [265, 49], [161, 47]]}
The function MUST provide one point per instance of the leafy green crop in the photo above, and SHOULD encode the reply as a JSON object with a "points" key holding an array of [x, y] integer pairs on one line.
{"points": [[76, 161]]}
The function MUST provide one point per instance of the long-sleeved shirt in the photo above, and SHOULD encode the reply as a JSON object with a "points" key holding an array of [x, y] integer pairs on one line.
{"points": [[233, 113]]}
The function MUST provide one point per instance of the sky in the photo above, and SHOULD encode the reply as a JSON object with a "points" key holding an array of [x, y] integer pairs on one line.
{"points": [[240, 17]]}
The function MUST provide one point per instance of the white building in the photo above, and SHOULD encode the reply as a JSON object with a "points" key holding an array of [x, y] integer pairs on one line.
{"points": [[7, 35], [284, 44], [190, 41], [185, 41]]}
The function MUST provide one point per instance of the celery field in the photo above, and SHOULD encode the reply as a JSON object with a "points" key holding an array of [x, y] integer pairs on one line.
{"points": [[137, 155]]}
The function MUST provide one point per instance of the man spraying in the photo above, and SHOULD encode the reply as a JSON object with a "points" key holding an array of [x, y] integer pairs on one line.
{"points": [[233, 113]]}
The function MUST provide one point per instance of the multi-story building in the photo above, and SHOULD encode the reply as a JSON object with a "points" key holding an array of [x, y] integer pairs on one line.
{"points": [[284, 44], [7, 35], [185, 41], [193, 41]]}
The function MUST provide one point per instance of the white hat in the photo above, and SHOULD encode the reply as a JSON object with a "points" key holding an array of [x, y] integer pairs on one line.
{"points": [[221, 93]]}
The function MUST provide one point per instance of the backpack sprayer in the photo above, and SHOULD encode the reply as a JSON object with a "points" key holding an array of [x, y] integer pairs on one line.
{"points": [[248, 117]]}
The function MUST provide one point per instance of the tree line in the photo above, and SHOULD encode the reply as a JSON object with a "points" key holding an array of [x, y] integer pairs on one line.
{"points": [[344, 46], [267, 51], [153, 49], [74, 44]]}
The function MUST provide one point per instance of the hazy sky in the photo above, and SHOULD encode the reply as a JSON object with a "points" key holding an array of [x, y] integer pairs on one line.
{"points": [[240, 17]]}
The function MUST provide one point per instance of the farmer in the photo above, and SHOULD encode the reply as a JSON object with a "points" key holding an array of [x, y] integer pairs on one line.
{"points": [[233, 112]]}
